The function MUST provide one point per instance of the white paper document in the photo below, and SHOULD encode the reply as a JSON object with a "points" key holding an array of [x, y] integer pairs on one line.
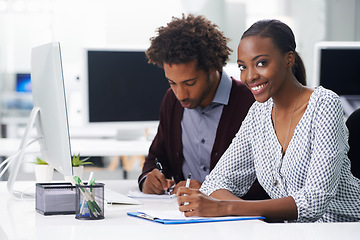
{"points": [[138, 194], [176, 214], [112, 197]]}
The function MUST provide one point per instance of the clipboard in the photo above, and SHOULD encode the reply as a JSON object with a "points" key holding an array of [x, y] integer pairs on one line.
{"points": [[191, 220]]}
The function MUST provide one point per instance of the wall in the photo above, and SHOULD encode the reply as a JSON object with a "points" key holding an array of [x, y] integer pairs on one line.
{"points": [[79, 23]]}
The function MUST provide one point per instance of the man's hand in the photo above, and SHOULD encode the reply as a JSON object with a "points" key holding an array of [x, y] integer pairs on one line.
{"points": [[195, 184], [156, 183]]}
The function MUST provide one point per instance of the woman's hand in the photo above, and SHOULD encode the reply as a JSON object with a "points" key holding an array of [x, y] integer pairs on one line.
{"points": [[194, 203], [195, 184]]}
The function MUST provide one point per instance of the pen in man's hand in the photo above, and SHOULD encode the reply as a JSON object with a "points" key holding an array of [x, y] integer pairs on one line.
{"points": [[158, 165], [171, 189], [160, 168]]}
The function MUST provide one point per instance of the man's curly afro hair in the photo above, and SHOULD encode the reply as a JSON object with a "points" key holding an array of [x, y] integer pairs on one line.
{"points": [[189, 38]]}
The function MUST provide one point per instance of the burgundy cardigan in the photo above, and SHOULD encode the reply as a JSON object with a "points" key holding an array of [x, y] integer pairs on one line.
{"points": [[167, 144]]}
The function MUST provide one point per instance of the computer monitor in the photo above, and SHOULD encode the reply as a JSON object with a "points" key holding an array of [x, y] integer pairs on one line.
{"points": [[336, 67], [23, 83], [122, 89], [49, 114]]}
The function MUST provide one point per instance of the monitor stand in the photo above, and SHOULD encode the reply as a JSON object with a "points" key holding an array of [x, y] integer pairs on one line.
{"points": [[19, 158]]}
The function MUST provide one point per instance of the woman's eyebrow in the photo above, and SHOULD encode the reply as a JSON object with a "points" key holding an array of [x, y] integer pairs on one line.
{"points": [[254, 58]]}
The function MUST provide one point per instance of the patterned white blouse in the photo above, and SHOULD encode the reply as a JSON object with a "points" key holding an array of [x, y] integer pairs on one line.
{"points": [[315, 169]]}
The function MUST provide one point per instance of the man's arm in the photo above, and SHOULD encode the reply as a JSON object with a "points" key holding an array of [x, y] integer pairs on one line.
{"points": [[153, 180]]}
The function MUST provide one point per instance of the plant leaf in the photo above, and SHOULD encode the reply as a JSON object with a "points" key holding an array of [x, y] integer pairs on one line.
{"points": [[76, 161], [39, 161]]}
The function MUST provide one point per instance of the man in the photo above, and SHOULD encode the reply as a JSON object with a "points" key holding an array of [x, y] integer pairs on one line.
{"points": [[202, 111]]}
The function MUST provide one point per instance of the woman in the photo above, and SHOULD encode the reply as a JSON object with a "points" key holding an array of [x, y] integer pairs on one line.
{"points": [[293, 140]]}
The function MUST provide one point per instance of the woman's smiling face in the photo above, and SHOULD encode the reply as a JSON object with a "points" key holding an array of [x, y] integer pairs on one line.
{"points": [[263, 67]]}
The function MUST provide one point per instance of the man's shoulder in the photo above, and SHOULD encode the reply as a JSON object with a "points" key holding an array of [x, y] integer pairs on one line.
{"points": [[169, 96], [170, 101], [240, 91], [238, 85]]}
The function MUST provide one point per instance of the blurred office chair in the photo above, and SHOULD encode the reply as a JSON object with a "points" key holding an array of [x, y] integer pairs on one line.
{"points": [[353, 124]]}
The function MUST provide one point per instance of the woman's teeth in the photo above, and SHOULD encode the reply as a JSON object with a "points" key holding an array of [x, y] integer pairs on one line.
{"points": [[258, 87]]}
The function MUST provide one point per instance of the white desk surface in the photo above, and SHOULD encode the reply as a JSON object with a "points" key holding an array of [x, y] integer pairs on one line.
{"points": [[87, 147], [19, 220]]}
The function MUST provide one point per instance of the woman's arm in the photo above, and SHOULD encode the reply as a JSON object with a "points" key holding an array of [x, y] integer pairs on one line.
{"points": [[223, 194], [328, 152], [209, 206], [235, 170]]}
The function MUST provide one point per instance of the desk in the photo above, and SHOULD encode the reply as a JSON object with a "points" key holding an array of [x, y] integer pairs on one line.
{"points": [[19, 220], [86, 147]]}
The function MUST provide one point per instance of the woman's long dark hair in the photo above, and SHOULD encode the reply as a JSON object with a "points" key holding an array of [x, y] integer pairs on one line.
{"points": [[283, 37]]}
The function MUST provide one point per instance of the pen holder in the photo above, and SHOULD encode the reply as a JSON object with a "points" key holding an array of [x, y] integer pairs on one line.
{"points": [[90, 202]]}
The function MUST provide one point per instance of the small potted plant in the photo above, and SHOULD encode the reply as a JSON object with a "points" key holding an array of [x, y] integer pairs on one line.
{"points": [[43, 171], [78, 165]]}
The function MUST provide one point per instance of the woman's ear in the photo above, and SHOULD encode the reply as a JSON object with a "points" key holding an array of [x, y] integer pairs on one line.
{"points": [[290, 58]]}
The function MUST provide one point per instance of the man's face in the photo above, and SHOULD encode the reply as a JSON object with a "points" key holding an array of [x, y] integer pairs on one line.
{"points": [[191, 86]]}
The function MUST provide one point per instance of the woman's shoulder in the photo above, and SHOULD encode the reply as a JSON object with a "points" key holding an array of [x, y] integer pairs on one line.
{"points": [[324, 93], [325, 99]]}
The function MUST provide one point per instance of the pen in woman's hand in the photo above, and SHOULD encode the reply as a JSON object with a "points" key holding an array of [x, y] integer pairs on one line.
{"points": [[188, 180], [187, 184]]}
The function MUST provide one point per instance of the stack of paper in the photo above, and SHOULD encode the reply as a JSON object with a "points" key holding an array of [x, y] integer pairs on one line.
{"points": [[138, 194]]}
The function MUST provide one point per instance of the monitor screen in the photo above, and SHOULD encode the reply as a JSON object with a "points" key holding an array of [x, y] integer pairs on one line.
{"points": [[23, 82], [337, 67], [122, 87]]}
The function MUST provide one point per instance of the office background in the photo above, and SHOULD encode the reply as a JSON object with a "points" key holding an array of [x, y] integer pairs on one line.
{"points": [[28, 23], [112, 23]]}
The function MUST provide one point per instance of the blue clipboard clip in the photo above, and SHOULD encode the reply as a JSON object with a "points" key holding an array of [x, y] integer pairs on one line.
{"points": [[190, 220], [145, 216]]}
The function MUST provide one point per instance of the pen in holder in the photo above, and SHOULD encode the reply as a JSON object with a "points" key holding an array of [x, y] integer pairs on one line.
{"points": [[89, 201]]}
